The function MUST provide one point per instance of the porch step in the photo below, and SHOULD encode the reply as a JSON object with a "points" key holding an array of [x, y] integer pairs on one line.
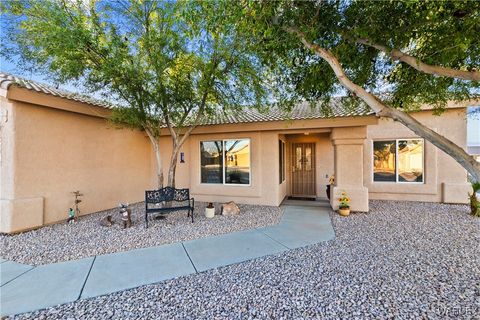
{"points": [[307, 203]]}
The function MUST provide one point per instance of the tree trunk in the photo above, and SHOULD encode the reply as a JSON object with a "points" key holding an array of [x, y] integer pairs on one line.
{"points": [[173, 164], [178, 141], [381, 109], [158, 158]]}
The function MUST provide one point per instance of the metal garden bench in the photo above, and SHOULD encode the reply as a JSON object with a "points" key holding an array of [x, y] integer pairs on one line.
{"points": [[179, 199]]}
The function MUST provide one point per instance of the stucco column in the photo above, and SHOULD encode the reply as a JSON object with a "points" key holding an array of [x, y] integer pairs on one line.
{"points": [[348, 164]]}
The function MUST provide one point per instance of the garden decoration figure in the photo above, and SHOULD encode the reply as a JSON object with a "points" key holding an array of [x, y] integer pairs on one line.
{"points": [[71, 216], [77, 195], [331, 182], [126, 215]]}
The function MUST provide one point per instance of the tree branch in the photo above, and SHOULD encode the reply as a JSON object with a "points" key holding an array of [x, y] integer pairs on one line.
{"points": [[381, 109], [412, 61]]}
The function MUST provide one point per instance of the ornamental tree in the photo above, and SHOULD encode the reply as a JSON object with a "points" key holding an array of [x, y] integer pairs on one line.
{"points": [[170, 64], [395, 56]]}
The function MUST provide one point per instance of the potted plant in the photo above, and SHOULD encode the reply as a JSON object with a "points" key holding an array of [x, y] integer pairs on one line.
{"points": [[474, 202], [344, 206], [210, 210]]}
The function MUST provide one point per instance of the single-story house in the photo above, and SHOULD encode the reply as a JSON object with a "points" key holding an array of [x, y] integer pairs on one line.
{"points": [[54, 142]]}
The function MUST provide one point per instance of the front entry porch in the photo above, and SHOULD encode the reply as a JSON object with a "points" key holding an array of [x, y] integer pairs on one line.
{"points": [[314, 158]]}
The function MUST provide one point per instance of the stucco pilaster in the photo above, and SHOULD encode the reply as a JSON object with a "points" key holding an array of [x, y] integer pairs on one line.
{"points": [[348, 166], [15, 214]]}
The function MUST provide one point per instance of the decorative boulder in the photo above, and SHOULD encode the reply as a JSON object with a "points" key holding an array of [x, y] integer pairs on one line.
{"points": [[230, 209], [106, 221]]}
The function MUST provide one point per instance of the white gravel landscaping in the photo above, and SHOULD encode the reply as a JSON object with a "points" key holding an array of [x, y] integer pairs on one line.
{"points": [[85, 238], [403, 260]]}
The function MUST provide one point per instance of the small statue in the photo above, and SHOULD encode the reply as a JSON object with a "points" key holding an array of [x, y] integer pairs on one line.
{"points": [[106, 221], [126, 215], [71, 216], [331, 182]]}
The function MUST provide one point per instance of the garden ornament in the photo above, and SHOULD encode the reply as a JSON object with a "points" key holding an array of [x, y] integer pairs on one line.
{"points": [[126, 215]]}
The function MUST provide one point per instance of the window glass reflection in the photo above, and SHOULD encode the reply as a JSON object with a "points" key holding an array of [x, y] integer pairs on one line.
{"points": [[237, 161], [384, 161], [211, 153], [410, 160]]}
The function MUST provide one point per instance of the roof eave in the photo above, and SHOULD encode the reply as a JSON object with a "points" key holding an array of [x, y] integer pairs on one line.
{"points": [[17, 93], [286, 126]]}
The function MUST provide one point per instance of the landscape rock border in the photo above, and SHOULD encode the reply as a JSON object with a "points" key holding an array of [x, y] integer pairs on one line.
{"points": [[405, 260], [86, 237]]}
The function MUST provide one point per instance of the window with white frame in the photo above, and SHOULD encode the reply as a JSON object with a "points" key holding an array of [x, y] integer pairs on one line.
{"points": [[225, 161], [399, 160]]}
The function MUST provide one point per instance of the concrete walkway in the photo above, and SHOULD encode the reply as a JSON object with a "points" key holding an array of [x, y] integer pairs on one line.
{"points": [[25, 288]]}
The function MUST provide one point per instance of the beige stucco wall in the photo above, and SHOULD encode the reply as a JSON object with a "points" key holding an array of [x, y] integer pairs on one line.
{"points": [[49, 153], [263, 188], [445, 180]]}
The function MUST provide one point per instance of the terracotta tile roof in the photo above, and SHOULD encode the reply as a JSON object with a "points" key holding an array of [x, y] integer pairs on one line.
{"points": [[302, 111], [7, 80]]}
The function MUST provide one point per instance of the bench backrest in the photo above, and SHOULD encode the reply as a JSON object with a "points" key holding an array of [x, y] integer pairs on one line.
{"points": [[166, 194]]}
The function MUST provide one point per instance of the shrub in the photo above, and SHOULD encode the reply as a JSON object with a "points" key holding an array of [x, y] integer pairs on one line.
{"points": [[474, 203]]}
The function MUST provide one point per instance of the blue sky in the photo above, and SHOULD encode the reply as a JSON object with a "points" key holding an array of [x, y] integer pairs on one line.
{"points": [[13, 69]]}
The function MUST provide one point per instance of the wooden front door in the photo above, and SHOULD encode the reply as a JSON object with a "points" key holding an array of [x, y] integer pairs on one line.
{"points": [[303, 170]]}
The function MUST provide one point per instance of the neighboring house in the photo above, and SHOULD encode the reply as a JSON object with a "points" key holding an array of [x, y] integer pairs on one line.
{"points": [[474, 151], [54, 142], [473, 136]]}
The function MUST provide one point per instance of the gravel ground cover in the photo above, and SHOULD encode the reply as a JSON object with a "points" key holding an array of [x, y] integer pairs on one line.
{"points": [[85, 238], [402, 260]]}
